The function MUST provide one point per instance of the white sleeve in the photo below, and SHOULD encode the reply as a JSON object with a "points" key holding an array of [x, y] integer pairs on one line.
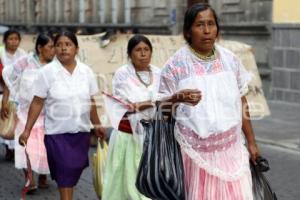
{"points": [[243, 77], [119, 91], [93, 86], [119, 86], [10, 79], [12, 73], [41, 85], [168, 83]]}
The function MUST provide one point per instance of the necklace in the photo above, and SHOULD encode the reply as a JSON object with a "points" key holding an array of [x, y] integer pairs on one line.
{"points": [[143, 80], [210, 57]]}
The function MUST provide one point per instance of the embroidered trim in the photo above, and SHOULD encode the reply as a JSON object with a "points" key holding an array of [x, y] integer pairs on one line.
{"points": [[209, 160], [210, 57]]}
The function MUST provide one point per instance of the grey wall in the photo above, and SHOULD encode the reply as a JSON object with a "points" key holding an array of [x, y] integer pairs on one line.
{"points": [[285, 61], [247, 21], [156, 16]]}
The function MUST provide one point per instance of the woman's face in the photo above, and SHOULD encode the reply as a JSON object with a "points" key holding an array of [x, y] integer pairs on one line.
{"points": [[12, 42], [47, 52], [141, 56], [203, 32], [65, 50]]}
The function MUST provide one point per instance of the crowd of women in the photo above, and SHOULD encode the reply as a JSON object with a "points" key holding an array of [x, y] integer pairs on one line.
{"points": [[204, 82]]}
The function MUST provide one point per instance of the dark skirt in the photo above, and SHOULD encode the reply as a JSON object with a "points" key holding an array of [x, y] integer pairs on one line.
{"points": [[67, 156]]}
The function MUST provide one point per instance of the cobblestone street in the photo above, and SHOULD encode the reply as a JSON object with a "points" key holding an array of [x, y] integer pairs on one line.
{"points": [[12, 181], [276, 135]]}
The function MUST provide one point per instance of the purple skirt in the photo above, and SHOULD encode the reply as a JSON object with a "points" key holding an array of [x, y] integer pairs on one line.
{"points": [[67, 156]]}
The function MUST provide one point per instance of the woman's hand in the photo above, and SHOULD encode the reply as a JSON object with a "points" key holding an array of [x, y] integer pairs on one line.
{"points": [[4, 111], [188, 96], [132, 107], [100, 132], [254, 152], [5, 103], [24, 137], [140, 106]]}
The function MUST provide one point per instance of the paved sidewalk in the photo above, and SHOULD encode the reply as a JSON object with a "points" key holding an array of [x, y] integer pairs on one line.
{"points": [[12, 181], [281, 128]]}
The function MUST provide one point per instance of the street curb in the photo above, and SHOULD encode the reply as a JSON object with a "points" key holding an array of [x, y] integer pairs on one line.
{"points": [[289, 146]]}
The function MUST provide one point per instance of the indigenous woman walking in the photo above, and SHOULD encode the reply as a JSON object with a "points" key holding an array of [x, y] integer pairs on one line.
{"points": [[208, 84], [134, 84], [19, 79], [9, 53], [66, 88]]}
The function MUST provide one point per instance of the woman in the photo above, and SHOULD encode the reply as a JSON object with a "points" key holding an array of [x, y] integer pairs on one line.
{"points": [[65, 87], [19, 78], [9, 54], [135, 83], [11, 51], [208, 84]]}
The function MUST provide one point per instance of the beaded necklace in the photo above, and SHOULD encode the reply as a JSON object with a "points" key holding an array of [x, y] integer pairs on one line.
{"points": [[142, 81], [210, 57]]}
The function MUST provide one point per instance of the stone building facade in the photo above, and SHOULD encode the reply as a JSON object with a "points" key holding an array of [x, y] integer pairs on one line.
{"points": [[271, 27], [285, 56], [248, 21]]}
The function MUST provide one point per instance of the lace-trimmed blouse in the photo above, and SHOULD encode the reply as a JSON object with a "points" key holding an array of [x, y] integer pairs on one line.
{"points": [[222, 81]]}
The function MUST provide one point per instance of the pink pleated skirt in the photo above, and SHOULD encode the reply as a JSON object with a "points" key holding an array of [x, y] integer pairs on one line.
{"points": [[35, 148], [200, 185], [216, 167]]}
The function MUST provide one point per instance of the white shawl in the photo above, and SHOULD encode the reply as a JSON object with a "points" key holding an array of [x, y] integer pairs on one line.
{"points": [[128, 88]]}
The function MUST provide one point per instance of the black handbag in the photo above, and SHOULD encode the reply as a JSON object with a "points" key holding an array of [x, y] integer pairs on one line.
{"points": [[160, 174], [260, 185]]}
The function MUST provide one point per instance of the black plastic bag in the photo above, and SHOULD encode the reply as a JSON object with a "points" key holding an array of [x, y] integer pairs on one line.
{"points": [[160, 175], [261, 186]]}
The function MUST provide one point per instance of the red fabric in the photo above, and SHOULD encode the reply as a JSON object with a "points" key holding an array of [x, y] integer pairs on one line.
{"points": [[124, 126], [1, 68]]}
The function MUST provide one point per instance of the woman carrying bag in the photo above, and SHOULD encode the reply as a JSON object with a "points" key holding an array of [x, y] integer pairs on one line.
{"points": [[9, 53], [207, 84], [19, 78], [134, 87], [65, 87]]}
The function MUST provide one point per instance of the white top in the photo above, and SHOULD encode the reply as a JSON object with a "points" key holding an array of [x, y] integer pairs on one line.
{"points": [[210, 132], [68, 97], [8, 59], [20, 78], [222, 82], [128, 88]]}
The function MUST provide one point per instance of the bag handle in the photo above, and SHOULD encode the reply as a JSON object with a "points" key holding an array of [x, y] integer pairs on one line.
{"points": [[102, 143], [28, 175]]}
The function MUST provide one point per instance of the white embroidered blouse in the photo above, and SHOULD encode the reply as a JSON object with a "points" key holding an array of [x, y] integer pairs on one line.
{"points": [[210, 132]]}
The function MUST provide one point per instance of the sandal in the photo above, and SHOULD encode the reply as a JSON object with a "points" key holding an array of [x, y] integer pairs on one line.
{"points": [[43, 182], [32, 189]]}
